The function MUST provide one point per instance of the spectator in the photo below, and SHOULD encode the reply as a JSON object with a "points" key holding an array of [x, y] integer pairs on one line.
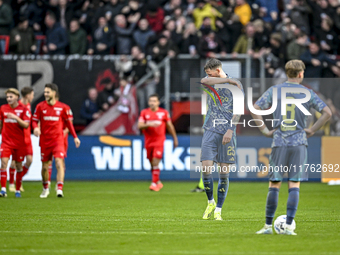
{"points": [[320, 9], [270, 10], [56, 36], [243, 10], [221, 8], [298, 46], [315, 60], [86, 14], [107, 97], [35, 13], [223, 34], [124, 103], [210, 45], [111, 10], [6, 20], [155, 17], [123, 66], [22, 39], [327, 37], [77, 37], [275, 57], [164, 47], [132, 8], [245, 42], [66, 11], [206, 26], [204, 10], [140, 67], [142, 35], [190, 40], [170, 7], [89, 109], [124, 33], [102, 39], [234, 26], [298, 12], [176, 31], [191, 5]]}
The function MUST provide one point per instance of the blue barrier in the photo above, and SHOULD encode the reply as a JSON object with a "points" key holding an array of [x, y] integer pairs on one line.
{"points": [[97, 159]]}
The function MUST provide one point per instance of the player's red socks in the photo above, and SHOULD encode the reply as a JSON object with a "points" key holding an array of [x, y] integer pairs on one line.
{"points": [[3, 178], [24, 170], [60, 185], [11, 175], [19, 180], [49, 172], [155, 174], [45, 185]]}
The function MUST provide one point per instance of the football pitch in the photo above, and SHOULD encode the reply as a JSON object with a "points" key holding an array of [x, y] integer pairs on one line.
{"points": [[127, 218]]}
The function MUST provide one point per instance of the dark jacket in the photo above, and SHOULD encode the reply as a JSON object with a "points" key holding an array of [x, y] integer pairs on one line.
{"points": [[141, 37], [35, 14], [58, 36], [6, 19], [124, 39], [315, 71], [26, 42], [78, 42], [102, 35], [103, 97], [87, 110]]}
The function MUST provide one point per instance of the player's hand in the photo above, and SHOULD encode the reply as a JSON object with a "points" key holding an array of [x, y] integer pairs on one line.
{"points": [[12, 116], [309, 132], [227, 137], [37, 132], [270, 133], [175, 143], [77, 142]]}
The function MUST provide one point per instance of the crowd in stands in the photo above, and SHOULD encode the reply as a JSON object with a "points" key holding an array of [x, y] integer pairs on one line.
{"points": [[279, 30]]}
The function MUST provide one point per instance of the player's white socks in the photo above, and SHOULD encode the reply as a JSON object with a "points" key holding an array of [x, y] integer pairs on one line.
{"points": [[268, 226], [218, 209], [211, 201], [3, 189]]}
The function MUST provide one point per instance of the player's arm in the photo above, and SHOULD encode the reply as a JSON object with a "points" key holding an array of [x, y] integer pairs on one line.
{"points": [[229, 134], [171, 129], [213, 81], [68, 121], [261, 124], [0, 126], [22, 123], [326, 114], [36, 122]]}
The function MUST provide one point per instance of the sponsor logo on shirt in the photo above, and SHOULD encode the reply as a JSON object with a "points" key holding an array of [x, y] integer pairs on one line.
{"points": [[10, 121], [58, 109], [51, 118], [160, 114]]}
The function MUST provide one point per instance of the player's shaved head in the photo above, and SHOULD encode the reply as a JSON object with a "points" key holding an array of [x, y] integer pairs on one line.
{"points": [[212, 64], [294, 68]]}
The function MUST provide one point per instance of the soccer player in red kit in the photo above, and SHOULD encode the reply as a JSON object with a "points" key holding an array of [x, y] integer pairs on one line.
{"points": [[51, 114], [27, 94], [14, 119], [65, 132], [154, 121]]}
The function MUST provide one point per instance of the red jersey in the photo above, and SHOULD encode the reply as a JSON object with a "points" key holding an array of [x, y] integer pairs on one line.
{"points": [[27, 131], [154, 136], [51, 119], [69, 114], [12, 134]]}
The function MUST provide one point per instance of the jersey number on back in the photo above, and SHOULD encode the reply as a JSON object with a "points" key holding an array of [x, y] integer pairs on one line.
{"points": [[290, 111]]}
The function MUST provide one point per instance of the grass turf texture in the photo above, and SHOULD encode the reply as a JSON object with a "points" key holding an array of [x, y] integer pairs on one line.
{"points": [[127, 218]]}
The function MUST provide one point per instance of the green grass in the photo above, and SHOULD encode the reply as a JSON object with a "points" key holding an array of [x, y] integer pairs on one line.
{"points": [[126, 218]]}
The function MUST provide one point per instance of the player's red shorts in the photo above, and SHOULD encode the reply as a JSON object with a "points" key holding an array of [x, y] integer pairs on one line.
{"points": [[17, 154], [29, 150], [154, 152], [56, 152]]}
